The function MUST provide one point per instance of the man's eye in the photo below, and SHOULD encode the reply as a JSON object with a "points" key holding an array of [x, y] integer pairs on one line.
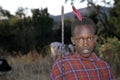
{"points": [[90, 38], [80, 39]]}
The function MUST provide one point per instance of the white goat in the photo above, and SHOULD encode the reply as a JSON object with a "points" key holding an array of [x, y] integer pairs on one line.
{"points": [[57, 48]]}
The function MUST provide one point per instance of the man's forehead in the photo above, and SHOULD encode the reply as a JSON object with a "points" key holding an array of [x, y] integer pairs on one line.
{"points": [[83, 29]]}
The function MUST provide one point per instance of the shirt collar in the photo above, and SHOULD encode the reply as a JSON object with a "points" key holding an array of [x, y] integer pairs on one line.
{"points": [[92, 57]]}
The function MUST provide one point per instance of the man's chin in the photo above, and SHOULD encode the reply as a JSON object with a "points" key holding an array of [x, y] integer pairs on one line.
{"points": [[85, 55]]}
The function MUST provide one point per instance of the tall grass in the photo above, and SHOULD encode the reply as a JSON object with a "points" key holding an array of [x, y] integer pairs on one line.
{"points": [[29, 67]]}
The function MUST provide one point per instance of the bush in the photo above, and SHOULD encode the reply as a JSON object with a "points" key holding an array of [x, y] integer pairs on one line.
{"points": [[110, 52]]}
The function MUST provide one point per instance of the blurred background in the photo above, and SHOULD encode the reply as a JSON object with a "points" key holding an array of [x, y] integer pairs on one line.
{"points": [[26, 33]]}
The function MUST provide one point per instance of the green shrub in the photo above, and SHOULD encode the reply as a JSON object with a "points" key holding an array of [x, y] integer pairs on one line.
{"points": [[110, 52]]}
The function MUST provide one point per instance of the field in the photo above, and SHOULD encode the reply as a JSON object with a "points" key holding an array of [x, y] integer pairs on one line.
{"points": [[28, 67]]}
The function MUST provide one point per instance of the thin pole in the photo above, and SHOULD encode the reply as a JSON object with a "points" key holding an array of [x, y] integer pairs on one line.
{"points": [[63, 53], [62, 22]]}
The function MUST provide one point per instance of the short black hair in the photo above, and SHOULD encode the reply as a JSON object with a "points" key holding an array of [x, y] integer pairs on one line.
{"points": [[84, 21]]}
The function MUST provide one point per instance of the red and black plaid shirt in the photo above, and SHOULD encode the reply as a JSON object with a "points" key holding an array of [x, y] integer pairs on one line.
{"points": [[78, 68]]}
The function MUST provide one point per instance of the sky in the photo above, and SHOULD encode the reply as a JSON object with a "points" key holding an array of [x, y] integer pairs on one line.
{"points": [[54, 6]]}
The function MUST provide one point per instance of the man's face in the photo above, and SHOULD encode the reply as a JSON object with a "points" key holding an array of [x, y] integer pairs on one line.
{"points": [[84, 40]]}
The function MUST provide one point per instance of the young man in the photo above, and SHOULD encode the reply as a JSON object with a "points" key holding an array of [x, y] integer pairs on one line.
{"points": [[83, 64]]}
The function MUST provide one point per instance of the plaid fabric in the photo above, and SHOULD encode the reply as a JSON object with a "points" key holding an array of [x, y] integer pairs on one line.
{"points": [[78, 68]]}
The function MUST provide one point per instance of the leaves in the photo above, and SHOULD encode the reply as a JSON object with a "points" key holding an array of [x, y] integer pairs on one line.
{"points": [[22, 34], [110, 52]]}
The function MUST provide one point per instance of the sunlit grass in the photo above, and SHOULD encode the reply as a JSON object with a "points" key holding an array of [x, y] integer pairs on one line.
{"points": [[28, 67]]}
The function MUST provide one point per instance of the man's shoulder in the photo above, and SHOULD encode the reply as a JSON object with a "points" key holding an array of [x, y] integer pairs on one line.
{"points": [[98, 61], [60, 58], [65, 56], [102, 63]]}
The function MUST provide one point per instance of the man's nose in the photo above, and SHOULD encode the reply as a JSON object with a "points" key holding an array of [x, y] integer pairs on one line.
{"points": [[85, 43]]}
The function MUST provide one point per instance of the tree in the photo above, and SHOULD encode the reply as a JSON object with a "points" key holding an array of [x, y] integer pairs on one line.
{"points": [[21, 12], [102, 17], [4, 13], [114, 18], [43, 26]]}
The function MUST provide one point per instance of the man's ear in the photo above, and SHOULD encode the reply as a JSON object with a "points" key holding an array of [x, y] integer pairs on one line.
{"points": [[73, 40], [95, 38]]}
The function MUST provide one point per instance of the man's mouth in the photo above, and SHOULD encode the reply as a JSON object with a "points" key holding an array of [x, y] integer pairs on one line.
{"points": [[86, 51]]}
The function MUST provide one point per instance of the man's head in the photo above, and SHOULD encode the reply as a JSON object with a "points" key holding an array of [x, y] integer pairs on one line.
{"points": [[83, 36]]}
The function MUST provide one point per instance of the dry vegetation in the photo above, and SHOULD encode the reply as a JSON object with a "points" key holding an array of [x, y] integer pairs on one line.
{"points": [[29, 67]]}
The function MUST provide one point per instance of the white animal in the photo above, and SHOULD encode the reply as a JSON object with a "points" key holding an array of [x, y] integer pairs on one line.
{"points": [[57, 48]]}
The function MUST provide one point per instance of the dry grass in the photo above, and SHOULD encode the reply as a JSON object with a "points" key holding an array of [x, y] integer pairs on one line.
{"points": [[29, 67]]}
